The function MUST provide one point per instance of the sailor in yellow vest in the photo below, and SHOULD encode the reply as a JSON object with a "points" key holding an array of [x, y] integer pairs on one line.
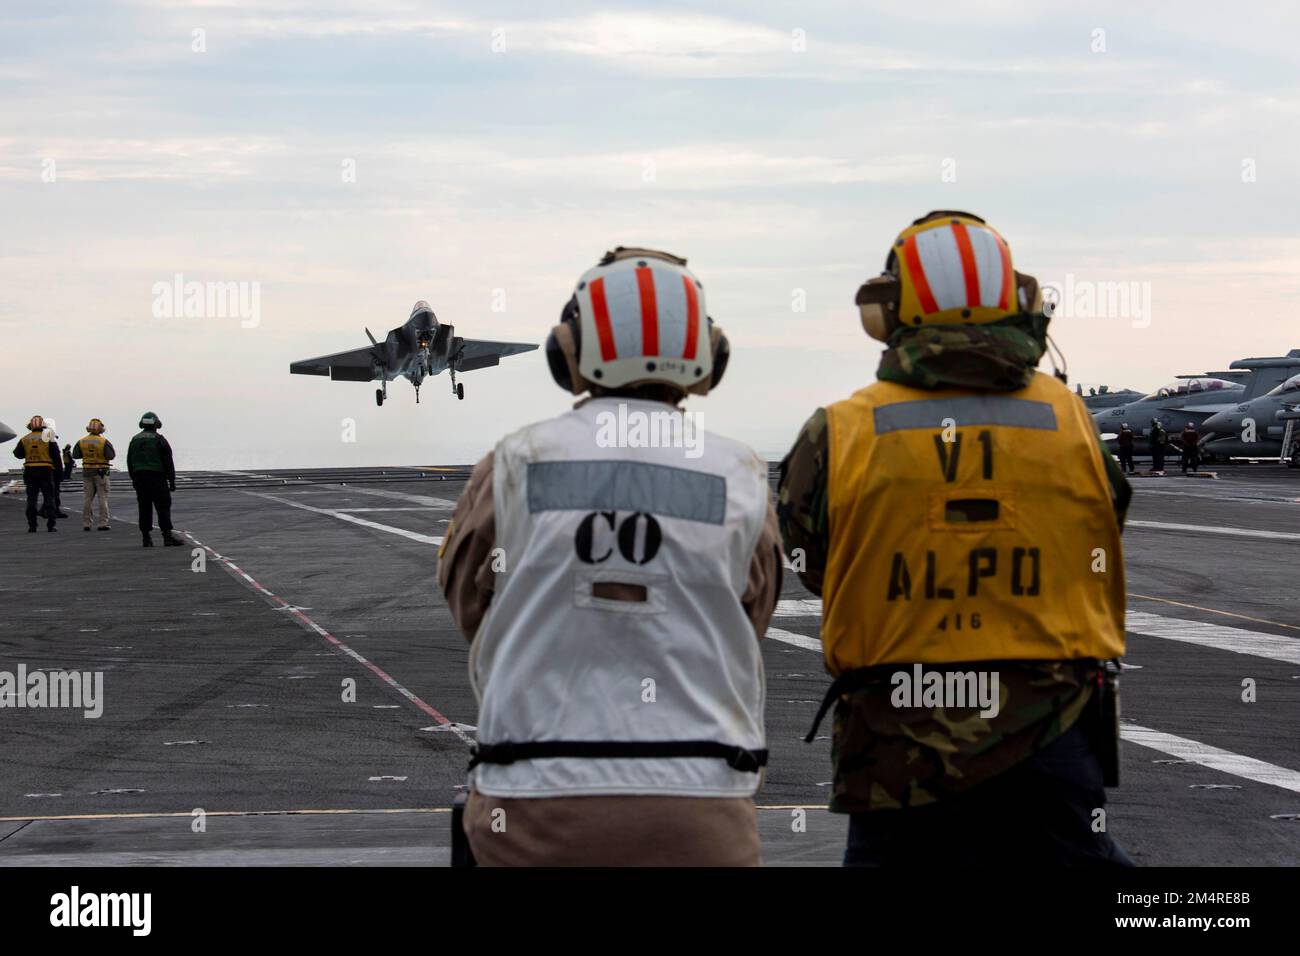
{"points": [[961, 522], [614, 582], [39, 452], [95, 452]]}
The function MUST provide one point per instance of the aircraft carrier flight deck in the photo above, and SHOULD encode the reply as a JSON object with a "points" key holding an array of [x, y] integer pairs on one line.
{"points": [[227, 666]]}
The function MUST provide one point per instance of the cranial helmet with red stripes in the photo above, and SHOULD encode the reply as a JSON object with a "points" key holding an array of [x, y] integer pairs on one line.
{"points": [[947, 268], [637, 318]]}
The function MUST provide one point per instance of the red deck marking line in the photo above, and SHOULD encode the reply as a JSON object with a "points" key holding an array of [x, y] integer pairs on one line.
{"points": [[237, 572], [692, 318], [600, 310], [645, 284], [968, 268], [917, 272]]}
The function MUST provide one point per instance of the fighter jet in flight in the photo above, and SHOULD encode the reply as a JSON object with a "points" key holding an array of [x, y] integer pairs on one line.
{"points": [[1264, 427], [420, 348]]}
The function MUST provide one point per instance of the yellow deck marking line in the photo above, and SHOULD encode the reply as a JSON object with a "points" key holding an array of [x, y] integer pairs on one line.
{"points": [[1210, 610], [284, 813], [218, 813]]}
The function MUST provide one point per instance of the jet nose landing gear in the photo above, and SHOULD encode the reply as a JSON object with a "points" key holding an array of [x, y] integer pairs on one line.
{"points": [[460, 391]]}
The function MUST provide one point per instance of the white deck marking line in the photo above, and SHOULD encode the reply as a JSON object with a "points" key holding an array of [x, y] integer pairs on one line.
{"points": [[413, 535], [806, 607], [1210, 610], [442, 503], [1225, 761], [1235, 639], [1214, 529], [798, 640], [1215, 758], [397, 508]]}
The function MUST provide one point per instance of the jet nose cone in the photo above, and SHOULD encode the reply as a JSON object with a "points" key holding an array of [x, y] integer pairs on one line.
{"points": [[1221, 422]]}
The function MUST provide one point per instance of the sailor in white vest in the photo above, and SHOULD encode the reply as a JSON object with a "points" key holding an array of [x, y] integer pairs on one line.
{"points": [[614, 569]]}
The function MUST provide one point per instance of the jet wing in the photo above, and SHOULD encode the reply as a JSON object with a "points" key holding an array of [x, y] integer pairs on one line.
{"points": [[479, 353], [354, 366]]}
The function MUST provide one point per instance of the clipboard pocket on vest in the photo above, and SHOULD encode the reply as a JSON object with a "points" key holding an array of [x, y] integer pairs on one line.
{"points": [[621, 591]]}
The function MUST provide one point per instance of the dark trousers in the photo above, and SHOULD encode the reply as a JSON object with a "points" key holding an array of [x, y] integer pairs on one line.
{"points": [[1039, 813], [40, 481], [1157, 458], [151, 494], [1191, 459], [1126, 460]]}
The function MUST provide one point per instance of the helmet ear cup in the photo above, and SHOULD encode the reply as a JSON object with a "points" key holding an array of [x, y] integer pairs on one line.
{"points": [[556, 361], [562, 358], [1029, 295], [877, 302], [721, 355], [720, 349]]}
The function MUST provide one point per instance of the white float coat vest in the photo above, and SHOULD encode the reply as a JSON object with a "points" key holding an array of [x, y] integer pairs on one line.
{"points": [[554, 661]]}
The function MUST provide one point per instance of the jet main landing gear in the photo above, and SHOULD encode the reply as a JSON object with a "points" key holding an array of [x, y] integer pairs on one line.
{"points": [[382, 393], [458, 389]]}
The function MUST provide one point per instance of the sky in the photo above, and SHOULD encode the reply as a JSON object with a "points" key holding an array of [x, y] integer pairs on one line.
{"points": [[340, 161]]}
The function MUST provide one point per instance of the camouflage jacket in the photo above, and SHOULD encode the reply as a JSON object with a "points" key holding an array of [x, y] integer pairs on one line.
{"points": [[887, 757]]}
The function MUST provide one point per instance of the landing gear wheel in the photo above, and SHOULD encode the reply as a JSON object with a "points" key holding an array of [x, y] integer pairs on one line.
{"points": [[379, 396], [460, 391]]}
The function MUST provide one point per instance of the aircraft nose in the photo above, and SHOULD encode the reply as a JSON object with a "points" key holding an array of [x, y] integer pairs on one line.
{"points": [[1221, 422]]}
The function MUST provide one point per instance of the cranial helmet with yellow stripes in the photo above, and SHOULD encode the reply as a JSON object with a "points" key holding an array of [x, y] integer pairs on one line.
{"points": [[637, 318], [947, 268], [95, 427]]}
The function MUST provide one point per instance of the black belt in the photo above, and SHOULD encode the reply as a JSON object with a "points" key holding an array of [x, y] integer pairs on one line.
{"points": [[845, 683], [738, 758]]}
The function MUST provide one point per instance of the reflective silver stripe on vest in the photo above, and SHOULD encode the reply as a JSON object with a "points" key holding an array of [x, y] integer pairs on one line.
{"points": [[626, 486], [965, 410]]}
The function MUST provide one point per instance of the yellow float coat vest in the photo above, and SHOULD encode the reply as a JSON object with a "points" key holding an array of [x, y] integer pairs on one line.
{"points": [[36, 451], [969, 526], [92, 451]]}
